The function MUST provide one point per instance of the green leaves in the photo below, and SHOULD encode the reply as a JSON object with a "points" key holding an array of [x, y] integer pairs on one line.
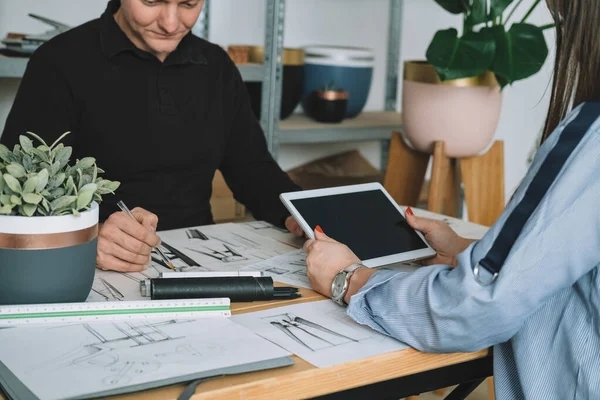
{"points": [[5, 154], [16, 170], [40, 181], [12, 183], [498, 7], [513, 53], [520, 52], [456, 58], [478, 13], [42, 177], [26, 144], [29, 209], [453, 6], [62, 202], [32, 198]]}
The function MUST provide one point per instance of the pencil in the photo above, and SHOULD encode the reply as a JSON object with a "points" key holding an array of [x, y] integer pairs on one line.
{"points": [[125, 209]]}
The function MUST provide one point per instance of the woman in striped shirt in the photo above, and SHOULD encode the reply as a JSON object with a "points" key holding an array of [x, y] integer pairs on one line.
{"points": [[531, 286]]}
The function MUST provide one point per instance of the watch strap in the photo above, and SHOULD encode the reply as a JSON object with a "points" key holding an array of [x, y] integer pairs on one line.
{"points": [[348, 271]]}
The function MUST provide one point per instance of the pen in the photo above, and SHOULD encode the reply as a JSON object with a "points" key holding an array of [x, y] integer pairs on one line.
{"points": [[125, 209]]}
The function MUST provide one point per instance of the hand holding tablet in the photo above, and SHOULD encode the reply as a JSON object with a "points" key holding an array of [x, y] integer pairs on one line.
{"points": [[364, 217]]}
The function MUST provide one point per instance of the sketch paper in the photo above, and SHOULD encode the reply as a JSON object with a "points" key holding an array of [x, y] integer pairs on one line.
{"points": [[271, 231], [289, 268], [319, 332], [57, 362], [212, 248], [222, 247]]}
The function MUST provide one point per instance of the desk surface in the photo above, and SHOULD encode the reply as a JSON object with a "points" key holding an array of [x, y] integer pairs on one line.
{"points": [[303, 380]]}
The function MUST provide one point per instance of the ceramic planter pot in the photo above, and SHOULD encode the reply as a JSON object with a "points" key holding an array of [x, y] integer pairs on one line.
{"points": [[464, 113], [292, 84], [347, 68], [48, 259], [327, 106]]}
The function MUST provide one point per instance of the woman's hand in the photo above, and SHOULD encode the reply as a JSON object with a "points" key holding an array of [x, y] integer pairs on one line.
{"points": [[441, 237], [325, 258], [125, 244]]}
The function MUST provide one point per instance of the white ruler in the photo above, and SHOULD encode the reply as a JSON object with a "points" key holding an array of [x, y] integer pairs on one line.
{"points": [[34, 314]]}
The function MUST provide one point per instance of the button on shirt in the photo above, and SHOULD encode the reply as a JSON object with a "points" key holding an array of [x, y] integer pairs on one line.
{"points": [[161, 129], [542, 315]]}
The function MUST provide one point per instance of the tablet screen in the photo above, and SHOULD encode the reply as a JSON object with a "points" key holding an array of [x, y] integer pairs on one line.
{"points": [[367, 222]]}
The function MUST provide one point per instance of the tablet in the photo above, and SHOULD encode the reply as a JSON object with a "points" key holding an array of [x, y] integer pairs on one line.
{"points": [[364, 217]]}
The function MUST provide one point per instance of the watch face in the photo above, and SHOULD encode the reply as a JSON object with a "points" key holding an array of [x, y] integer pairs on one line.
{"points": [[338, 284]]}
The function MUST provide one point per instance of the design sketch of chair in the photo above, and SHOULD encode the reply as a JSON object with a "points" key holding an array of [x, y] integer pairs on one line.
{"points": [[195, 234], [294, 327], [226, 256]]}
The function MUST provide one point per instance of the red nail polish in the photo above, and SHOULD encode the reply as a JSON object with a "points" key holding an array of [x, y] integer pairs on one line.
{"points": [[409, 211], [318, 229]]}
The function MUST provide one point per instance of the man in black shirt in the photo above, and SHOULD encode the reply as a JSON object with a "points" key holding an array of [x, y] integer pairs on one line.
{"points": [[161, 110]]}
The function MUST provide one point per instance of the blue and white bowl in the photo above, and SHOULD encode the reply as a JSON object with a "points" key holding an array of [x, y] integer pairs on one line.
{"points": [[347, 68]]}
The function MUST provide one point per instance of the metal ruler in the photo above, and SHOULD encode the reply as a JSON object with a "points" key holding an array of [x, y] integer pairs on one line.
{"points": [[35, 314]]}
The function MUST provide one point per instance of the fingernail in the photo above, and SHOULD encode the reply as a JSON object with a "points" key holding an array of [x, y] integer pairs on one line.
{"points": [[409, 211], [318, 229]]}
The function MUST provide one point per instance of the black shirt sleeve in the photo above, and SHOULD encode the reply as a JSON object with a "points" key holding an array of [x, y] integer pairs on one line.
{"points": [[43, 105], [252, 174]]}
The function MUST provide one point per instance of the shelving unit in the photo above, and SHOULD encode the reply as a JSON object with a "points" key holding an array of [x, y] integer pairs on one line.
{"points": [[368, 126], [13, 67], [297, 129]]}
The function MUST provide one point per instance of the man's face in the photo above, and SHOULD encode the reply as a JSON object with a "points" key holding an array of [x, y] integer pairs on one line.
{"points": [[157, 26]]}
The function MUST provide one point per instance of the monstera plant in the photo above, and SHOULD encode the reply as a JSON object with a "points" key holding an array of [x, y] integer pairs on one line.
{"points": [[37, 179], [490, 41]]}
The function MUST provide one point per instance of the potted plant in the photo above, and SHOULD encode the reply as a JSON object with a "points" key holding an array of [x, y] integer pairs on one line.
{"points": [[48, 222], [456, 95]]}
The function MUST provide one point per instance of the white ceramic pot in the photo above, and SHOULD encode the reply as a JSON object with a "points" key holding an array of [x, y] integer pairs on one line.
{"points": [[463, 113], [48, 259]]}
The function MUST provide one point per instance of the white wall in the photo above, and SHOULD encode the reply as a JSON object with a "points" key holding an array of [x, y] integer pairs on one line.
{"points": [[340, 22]]}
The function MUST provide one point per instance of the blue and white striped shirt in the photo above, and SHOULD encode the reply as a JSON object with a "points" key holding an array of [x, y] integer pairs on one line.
{"points": [[542, 315]]}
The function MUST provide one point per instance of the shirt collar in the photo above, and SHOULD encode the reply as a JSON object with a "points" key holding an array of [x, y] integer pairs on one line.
{"points": [[115, 41]]}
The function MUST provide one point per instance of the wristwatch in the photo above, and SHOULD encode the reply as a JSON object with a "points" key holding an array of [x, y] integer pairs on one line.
{"points": [[340, 284]]}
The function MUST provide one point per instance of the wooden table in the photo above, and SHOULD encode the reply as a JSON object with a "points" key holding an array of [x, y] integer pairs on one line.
{"points": [[393, 375]]}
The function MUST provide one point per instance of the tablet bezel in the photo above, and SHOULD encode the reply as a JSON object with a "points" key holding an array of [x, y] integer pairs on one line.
{"points": [[412, 255]]}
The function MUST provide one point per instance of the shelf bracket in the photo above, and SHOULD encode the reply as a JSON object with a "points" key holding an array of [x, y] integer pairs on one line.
{"points": [[392, 69], [273, 79]]}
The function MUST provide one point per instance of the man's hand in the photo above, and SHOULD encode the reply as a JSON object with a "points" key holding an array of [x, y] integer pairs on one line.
{"points": [[325, 258], [293, 226], [441, 237], [125, 244]]}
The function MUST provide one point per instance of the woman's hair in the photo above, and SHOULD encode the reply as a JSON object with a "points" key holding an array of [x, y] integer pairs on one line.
{"points": [[577, 64]]}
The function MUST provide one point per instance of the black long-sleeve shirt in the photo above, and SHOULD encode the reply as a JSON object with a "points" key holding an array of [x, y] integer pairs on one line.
{"points": [[161, 129]]}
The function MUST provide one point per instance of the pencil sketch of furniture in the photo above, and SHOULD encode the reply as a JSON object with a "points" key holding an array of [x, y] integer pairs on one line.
{"points": [[108, 345], [175, 254], [195, 234], [263, 225], [228, 255], [106, 290], [309, 334]]}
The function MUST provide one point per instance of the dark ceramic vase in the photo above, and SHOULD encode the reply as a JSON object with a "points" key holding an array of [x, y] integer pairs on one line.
{"points": [[327, 106], [292, 84]]}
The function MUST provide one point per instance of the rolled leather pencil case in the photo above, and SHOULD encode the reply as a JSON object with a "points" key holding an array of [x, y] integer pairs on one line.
{"points": [[238, 288]]}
